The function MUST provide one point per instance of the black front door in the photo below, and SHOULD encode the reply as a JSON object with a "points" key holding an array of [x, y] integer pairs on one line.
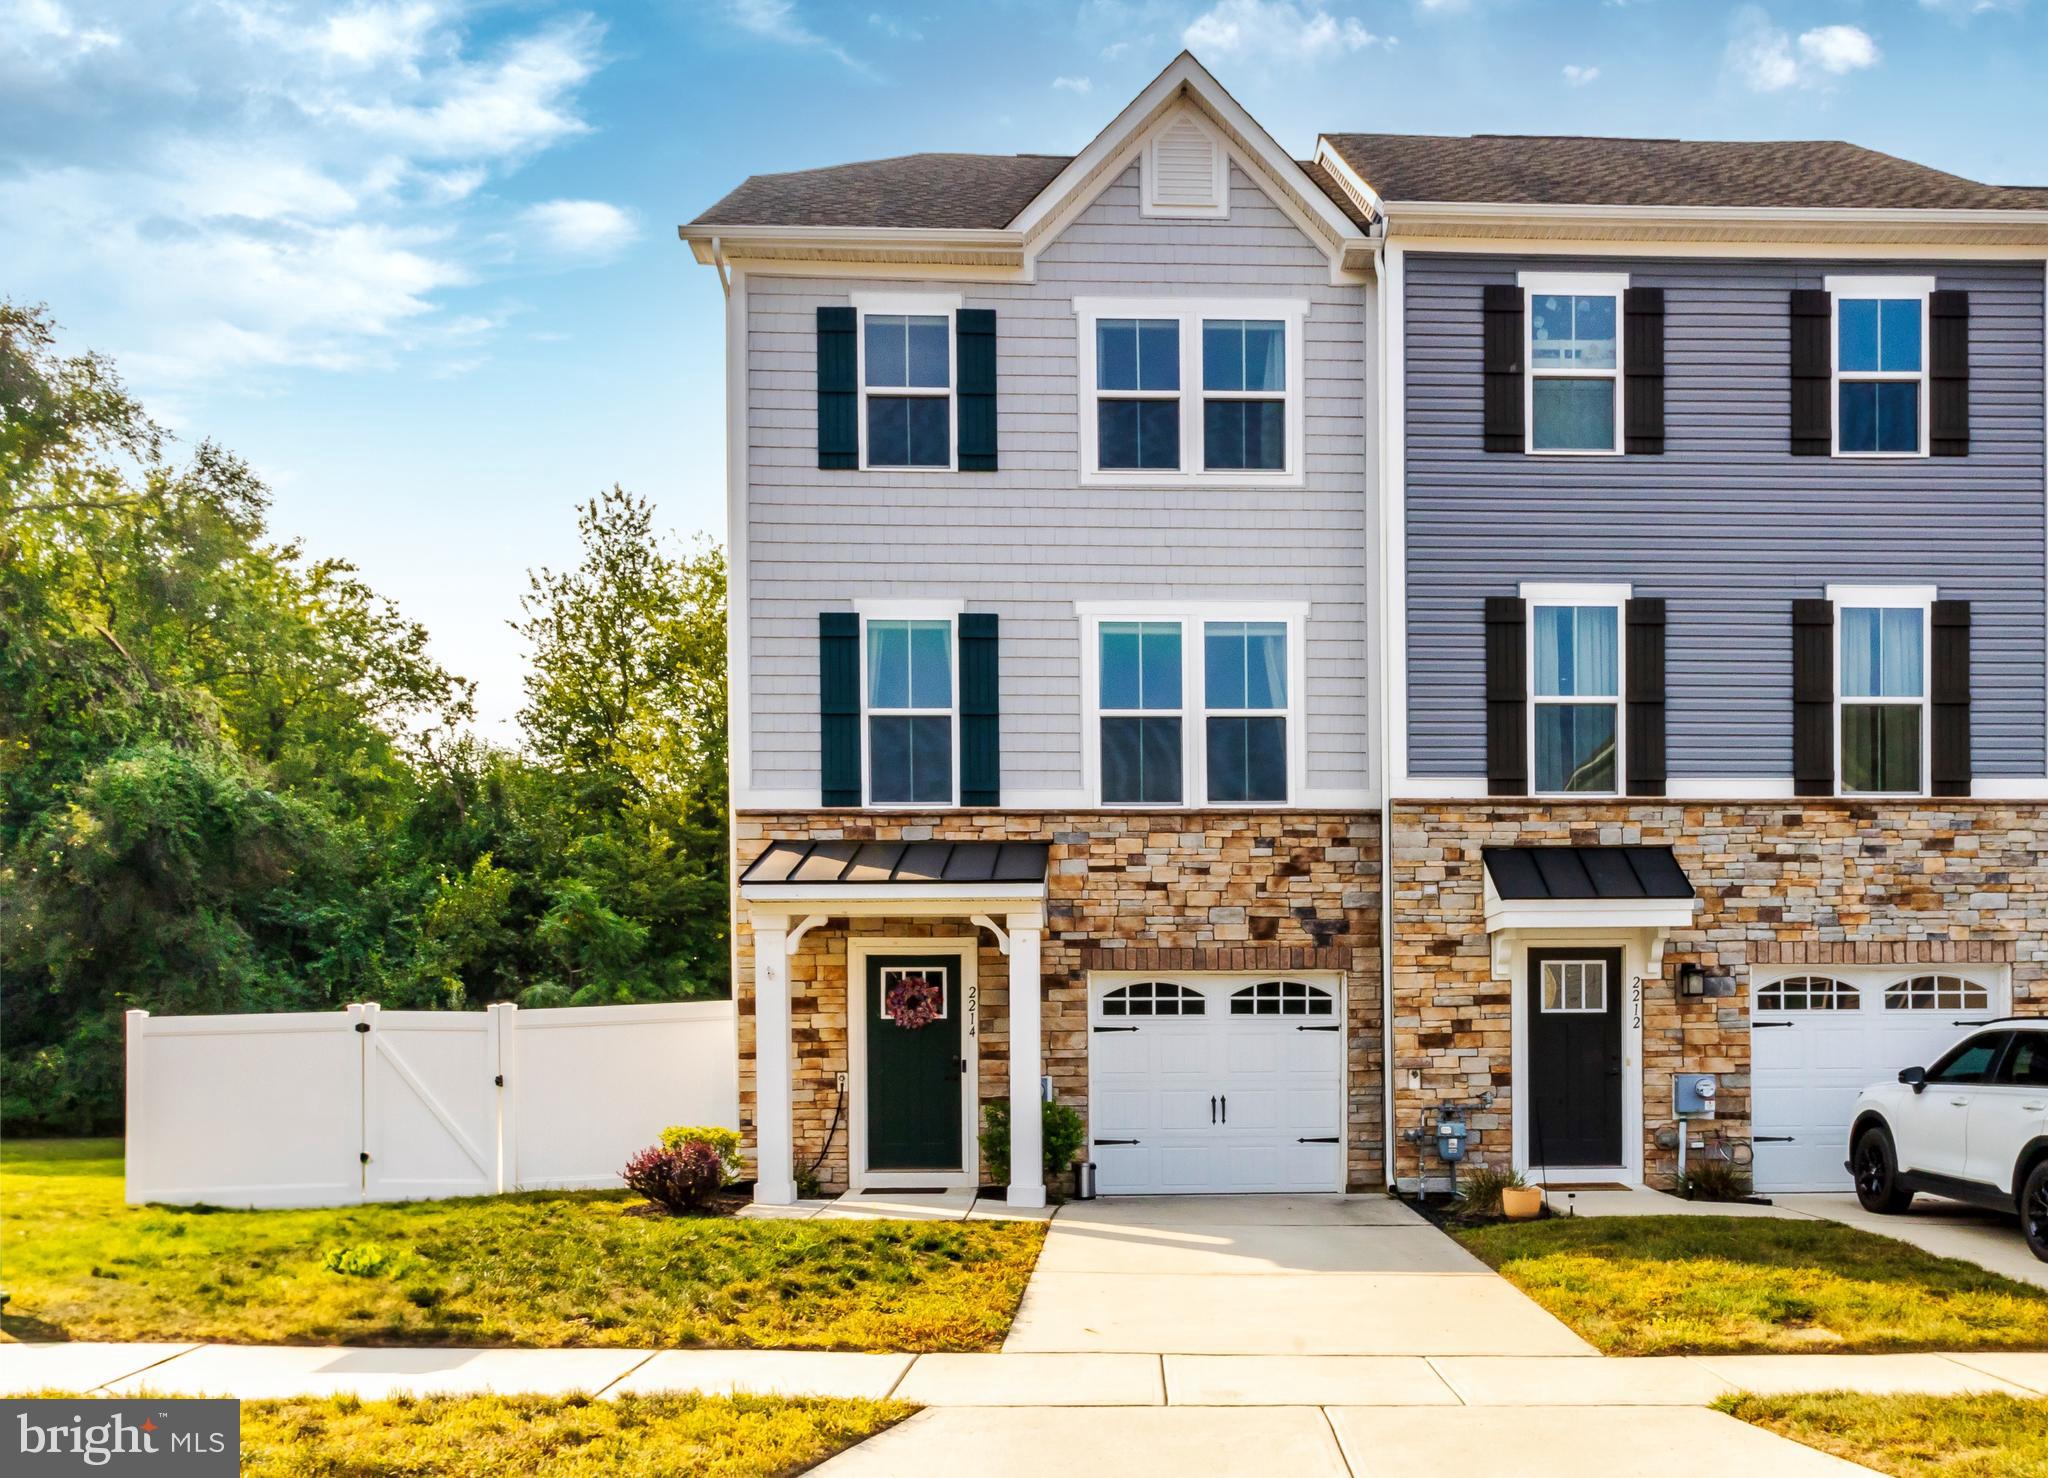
{"points": [[914, 1073], [1575, 1004]]}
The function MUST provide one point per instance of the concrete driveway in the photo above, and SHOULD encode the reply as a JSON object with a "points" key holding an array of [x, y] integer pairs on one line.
{"points": [[1945, 1228], [1270, 1275]]}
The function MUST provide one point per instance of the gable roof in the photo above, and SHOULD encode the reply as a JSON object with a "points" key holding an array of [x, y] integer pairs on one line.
{"points": [[912, 191], [1520, 169]]}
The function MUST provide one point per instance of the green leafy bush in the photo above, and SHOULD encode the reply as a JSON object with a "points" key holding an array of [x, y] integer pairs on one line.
{"points": [[1479, 1188], [366, 1260], [724, 1142], [1062, 1131], [1712, 1179]]}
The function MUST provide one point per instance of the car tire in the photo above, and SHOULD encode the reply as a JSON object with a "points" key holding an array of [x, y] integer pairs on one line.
{"points": [[1875, 1165], [2034, 1210]]}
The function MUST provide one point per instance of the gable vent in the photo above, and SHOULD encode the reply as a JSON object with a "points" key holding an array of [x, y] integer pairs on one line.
{"points": [[1186, 174]]}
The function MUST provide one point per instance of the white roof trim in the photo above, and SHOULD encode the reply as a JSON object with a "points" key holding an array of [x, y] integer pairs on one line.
{"points": [[899, 898], [1586, 913]]}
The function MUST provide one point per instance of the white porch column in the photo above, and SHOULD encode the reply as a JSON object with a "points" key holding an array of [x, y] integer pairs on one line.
{"points": [[1027, 1062], [774, 1139]]}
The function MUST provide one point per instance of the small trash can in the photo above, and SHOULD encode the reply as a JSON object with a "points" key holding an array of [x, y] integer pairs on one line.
{"points": [[1084, 1180]]}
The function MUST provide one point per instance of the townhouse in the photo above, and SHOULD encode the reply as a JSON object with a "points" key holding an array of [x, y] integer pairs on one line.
{"points": [[1278, 654]]}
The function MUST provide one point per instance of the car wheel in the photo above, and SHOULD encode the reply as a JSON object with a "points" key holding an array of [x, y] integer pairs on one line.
{"points": [[1876, 1169], [2034, 1210]]}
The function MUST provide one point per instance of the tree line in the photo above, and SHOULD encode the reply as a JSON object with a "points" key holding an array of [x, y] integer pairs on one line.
{"points": [[234, 778]]}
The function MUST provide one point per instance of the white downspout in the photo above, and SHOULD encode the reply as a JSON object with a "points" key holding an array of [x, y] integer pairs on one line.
{"points": [[1388, 1137]]}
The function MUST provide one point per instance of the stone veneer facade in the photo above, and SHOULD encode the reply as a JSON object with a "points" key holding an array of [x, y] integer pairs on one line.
{"points": [[1146, 890], [1780, 882]]}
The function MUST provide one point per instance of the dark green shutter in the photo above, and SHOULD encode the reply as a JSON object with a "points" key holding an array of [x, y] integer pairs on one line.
{"points": [[1948, 654], [981, 729], [1813, 697], [1642, 392], [1502, 316], [838, 708], [1813, 369], [1948, 374], [1507, 696], [1646, 765], [975, 351], [838, 392]]}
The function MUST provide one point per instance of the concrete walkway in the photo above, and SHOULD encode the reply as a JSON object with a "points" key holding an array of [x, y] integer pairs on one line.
{"points": [[901, 1206]]}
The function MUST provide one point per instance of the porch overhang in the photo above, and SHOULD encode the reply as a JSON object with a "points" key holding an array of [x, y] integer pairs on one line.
{"points": [[973, 880], [1536, 890]]}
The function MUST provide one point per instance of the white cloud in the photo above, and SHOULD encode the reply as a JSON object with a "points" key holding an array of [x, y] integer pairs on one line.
{"points": [[579, 227], [48, 36], [1280, 29], [1579, 76], [1072, 84], [517, 103], [778, 21], [378, 33], [1114, 50], [1765, 57]]}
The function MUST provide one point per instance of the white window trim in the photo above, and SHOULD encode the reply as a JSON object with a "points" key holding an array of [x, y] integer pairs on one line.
{"points": [[1189, 313], [1536, 594], [927, 305], [1903, 289], [909, 610], [1576, 284], [1194, 710], [1919, 598]]}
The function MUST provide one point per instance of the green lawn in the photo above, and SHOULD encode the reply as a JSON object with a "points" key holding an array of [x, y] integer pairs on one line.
{"points": [[1672, 1285], [565, 1437], [539, 1269], [1912, 1436]]}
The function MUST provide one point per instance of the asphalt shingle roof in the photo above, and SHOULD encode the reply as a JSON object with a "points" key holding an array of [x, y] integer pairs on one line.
{"points": [[918, 191]]}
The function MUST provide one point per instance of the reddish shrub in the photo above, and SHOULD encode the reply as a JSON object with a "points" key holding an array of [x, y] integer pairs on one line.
{"points": [[682, 1179]]}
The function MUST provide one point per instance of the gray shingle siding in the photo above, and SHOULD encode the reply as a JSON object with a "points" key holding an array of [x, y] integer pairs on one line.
{"points": [[1727, 526], [1027, 542]]}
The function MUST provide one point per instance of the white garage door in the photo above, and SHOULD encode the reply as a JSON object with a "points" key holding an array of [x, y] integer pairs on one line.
{"points": [[1216, 1083], [1819, 1037]]}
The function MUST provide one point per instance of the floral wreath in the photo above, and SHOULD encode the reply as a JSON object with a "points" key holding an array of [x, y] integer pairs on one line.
{"points": [[915, 1000]]}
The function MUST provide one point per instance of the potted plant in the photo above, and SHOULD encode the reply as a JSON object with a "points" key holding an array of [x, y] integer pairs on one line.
{"points": [[1521, 1202]]}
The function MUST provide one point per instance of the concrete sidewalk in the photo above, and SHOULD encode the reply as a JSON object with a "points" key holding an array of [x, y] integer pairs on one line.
{"points": [[1067, 1380]]}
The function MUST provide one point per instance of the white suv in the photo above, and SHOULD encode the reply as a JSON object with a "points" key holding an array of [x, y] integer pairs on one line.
{"points": [[1973, 1127]]}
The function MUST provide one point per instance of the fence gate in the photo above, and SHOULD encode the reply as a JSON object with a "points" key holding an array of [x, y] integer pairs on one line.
{"points": [[430, 1103]]}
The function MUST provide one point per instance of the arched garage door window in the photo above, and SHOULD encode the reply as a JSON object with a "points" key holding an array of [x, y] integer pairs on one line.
{"points": [[1153, 998], [1809, 993], [1937, 993], [1282, 998]]}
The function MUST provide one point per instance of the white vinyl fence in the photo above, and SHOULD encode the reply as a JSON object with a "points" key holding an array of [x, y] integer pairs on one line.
{"points": [[335, 1107]]}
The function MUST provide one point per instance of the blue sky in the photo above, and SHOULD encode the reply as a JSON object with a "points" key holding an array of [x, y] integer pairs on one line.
{"points": [[416, 259]]}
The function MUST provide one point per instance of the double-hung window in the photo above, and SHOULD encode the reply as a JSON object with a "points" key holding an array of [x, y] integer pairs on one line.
{"points": [[910, 711], [1880, 338], [1193, 706], [1245, 695], [906, 380], [1574, 359], [1575, 689], [1139, 673], [1181, 390], [1881, 687]]}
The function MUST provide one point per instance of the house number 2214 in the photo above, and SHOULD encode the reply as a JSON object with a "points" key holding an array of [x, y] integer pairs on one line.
{"points": [[973, 1010]]}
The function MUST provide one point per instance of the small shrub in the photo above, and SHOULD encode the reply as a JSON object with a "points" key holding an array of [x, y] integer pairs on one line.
{"points": [[726, 1142], [682, 1179], [364, 1261], [807, 1185], [1062, 1131], [1712, 1179], [1479, 1188]]}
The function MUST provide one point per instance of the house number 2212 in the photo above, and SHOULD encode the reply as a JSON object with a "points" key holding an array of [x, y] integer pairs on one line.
{"points": [[1635, 997]]}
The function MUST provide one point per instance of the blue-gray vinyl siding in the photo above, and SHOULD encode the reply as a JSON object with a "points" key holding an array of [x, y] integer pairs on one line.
{"points": [[1727, 526]]}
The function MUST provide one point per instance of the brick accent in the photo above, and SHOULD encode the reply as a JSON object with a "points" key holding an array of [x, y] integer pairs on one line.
{"points": [[1181, 891], [1809, 882]]}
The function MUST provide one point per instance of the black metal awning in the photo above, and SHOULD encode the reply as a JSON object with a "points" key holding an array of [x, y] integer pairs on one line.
{"points": [[900, 864], [1569, 873]]}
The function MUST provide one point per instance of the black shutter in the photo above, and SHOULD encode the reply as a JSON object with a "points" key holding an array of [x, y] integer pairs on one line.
{"points": [[1646, 697], [981, 730], [1813, 697], [1813, 368], [975, 351], [1949, 673], [1642, 393], [1503, 320], [1507, 696], [1948, 374], [838, 395], [838, 707]]}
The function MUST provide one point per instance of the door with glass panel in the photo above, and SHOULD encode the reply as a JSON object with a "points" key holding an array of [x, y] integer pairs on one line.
{"points": [[1575, 698], [1574, 1099]]}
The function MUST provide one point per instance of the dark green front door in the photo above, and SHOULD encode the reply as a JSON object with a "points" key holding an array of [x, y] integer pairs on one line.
{"points": [[913, 1075]]}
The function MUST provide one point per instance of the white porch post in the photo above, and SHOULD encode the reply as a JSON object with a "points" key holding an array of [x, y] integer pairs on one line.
{"points": [[1027, 1059], [774, 1139]]}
